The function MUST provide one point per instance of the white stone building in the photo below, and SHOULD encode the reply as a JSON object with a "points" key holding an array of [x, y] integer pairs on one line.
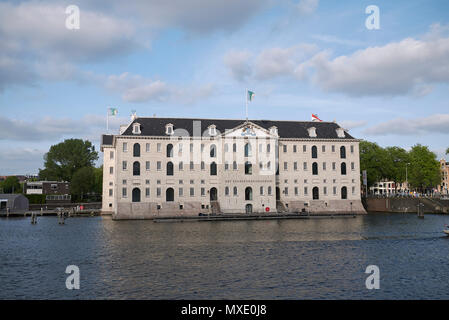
{"points": [[172, 167]]}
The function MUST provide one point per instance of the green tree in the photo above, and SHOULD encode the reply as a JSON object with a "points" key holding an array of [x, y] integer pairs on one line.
{"points": [[65, 158], [447, 151], [375, 161], [397, 162], [83, 182], [11, 185], [424, 170], [98, 187]]}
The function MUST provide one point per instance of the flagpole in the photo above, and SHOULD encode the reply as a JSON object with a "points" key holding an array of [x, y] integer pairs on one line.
{"points": [[107, 121], [246, 103]]}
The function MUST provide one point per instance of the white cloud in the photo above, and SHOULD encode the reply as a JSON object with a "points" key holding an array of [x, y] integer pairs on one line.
{"points": [[349, 124], [434, 124], [306, 7], [238, 63]]}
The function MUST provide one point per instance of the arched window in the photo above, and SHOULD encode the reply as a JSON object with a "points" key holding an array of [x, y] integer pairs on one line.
{"points": [[343, 168], [269, 165], [169, 150], [344, 193], [136, 150], [136, 195], [170, 195], [248, 168], [234, 165], [226, 191], [314, 152], [315, 168], [247, 149], [213, 151], [213, 169], [316, 193], [342, 152], [248, 193], [235, 191], [136, 168], [169, 168]]}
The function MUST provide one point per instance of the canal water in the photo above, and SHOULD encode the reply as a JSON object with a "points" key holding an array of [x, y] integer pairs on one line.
{"points": [[283, 259]]}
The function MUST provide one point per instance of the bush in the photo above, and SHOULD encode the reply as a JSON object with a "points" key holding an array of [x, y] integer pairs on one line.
{"points": [[36, 198]]}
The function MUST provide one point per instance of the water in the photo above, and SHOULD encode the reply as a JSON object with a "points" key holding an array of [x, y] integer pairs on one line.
{"points": [[284, 259]]}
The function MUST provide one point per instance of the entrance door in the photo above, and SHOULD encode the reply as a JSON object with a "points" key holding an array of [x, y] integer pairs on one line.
{"points": [[278, 194], [213, 194], [249, 208]]}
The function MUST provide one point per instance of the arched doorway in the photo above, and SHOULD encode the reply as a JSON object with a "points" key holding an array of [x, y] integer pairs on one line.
{"points": [[278, 194], [249, 208], [136, 195], [213, 194], [316, 193], [169, 195], [248, 193]]}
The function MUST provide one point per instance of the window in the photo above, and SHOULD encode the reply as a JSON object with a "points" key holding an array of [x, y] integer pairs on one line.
{"points": [[268, 148], [192, 192], [203, 192], [111, 155], [315, 193], [248, 168], [304, 148], [248, 193], [181, 166], [268, 165], [315, 168], [234, 165], [344, 193], [324, 166], [136, 168], [226, 166], [159, 147], [191, 166], [203, 165], [159, 165], [136, 150], [212, 130], [124, 181], [213, 151], [169, 195], [260, 147], [247, 150], [334, 190], [147, 147], [285, 166], [226, 191], [352, 149], [136, 128], [169, 150], [180, 148], [234, 147], [158, 192], [342, 152], [124, 192], [325, 190], [284, 148], [125, 147], [124, 165], [314, 152], [269, 190], [294, 148], [202, 147], [147, 165], [235, 191], [305, 165], [169, 129], [295, 166], [261, 191], [147, 192], [333, 148], [147, 181], [286, 191], [305, 191], [334, 166], [353, 190], [343, 168], [111, 170], [110, 192], [352, 166], [296, 191], [180, 192], [136, 195], [323, 149], [213, 169], [191, 147], [169, 168]]}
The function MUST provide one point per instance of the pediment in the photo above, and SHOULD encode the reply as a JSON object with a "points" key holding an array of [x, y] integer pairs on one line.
{"points": [[248, 130]]}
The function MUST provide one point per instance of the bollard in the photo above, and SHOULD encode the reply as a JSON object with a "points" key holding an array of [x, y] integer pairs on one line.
{"points": [[7, 212], [42, 211]]}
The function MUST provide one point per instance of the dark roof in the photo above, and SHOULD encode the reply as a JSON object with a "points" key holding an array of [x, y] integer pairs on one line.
{"points": [[106, 139], [286, 129]]}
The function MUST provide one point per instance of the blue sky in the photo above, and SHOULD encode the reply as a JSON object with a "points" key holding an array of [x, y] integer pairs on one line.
{"points": [[195, 58]]}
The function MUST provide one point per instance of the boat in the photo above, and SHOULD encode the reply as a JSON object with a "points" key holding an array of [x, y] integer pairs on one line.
{"points": [[446, 231]]}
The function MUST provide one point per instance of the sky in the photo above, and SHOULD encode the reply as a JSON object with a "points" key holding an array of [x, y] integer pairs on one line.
{"points": [[196, 58]]}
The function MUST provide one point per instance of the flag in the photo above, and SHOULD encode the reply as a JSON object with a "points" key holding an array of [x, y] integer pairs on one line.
{"points": [[250, 95], [112, 111], [315, 117]]}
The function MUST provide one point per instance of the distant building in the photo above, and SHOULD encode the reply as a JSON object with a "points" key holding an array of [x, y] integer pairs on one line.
{"points": [[55, 191], [385, 187], [443, 188], [13, 202], [173, 166]]}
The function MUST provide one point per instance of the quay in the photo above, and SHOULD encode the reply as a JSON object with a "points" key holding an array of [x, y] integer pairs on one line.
{"points": [[54, 212]]}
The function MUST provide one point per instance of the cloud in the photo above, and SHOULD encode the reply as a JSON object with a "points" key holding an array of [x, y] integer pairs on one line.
{"points": [[434, 124], [238, 63], [50, 129], [306, 7], [348, 124], [138, 89], [20, 160], [398, 68]]}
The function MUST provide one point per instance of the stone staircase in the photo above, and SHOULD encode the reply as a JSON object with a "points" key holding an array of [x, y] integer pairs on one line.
{"points": [[280, 207], [215, 207]]}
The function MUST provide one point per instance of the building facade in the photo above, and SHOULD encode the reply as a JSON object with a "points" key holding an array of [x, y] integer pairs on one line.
{"points": [[172, 167], [443, 188]]}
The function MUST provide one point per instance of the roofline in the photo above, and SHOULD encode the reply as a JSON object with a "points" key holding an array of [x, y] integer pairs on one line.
{"points": [[234, 119]]}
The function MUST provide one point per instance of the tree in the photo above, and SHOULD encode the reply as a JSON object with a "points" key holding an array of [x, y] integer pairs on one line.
{"points": [[397, 162], [374, 160], [11, 185], [98, 187], [65, 158], [424, 172], [83, 182], [447, 151]]}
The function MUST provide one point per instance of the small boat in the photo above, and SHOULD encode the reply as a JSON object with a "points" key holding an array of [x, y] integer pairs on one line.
{"points": [[446, 231]]}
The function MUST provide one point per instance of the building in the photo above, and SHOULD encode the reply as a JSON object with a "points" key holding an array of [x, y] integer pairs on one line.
{"points": [[172, 166], [385, 187], [13, 202], [443, 188], [55, 191]]}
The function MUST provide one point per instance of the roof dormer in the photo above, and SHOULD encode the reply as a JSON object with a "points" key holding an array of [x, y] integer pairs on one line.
{"points": [[274, 130], [340, 132], [212, 130], [312, 132], [136, 128], [169, 129]]}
